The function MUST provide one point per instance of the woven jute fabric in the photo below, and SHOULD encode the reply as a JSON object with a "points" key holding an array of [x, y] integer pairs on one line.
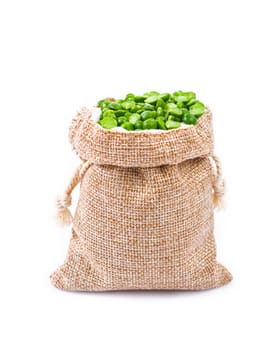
{"points": [[144, 219]]}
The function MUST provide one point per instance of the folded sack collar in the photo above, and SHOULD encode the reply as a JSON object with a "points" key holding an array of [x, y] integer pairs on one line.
{"points": [[140, 149]]}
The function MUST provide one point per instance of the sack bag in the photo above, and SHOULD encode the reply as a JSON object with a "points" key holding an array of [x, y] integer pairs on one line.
{"points": [[144, 219]]}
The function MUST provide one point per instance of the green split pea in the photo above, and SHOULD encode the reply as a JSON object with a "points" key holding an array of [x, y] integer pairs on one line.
{"points": [[151, 110]]}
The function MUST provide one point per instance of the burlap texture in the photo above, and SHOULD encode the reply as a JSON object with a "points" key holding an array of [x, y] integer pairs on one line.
{"points": [[144, 219]]}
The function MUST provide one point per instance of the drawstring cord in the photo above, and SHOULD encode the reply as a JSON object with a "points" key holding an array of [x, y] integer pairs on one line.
{"points": [[63, 215], [218, 185]]}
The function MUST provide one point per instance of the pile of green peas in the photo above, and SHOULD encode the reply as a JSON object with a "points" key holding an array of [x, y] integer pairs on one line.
{"points": [[151, 110]]}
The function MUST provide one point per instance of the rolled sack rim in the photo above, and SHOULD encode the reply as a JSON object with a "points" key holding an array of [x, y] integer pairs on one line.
{"points": [[140, 148]]}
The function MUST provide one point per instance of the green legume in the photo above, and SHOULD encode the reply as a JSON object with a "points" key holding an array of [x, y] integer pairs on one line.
{"points": [[119, 113], [140, 98], [176, 111], [160, 103], [122, 120], [190, 119], [150, 124], [161, 123], [180, 98], [148, 106], [151, 93], [151, 110], [108, 123], [109, 113], [130, 97], [191, 102], [172, 124], [152, 99], [103, 103], [139, 125], [171, 105], [128, 114], [134, 118], [197, 109], [128, 104], [165, 96], [114, 105], [128, 126], [174, 117], [160, 111], [146, 115]]}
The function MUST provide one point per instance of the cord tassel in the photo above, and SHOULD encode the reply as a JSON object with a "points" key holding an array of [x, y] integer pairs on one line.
{"points": [[63, 215]]}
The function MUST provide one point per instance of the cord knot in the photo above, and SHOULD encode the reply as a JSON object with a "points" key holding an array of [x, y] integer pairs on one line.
{"points": [[64, 216], [64, 202]]}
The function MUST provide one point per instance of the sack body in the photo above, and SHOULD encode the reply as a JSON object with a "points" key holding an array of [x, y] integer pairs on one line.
{"points": [[144, 219]]}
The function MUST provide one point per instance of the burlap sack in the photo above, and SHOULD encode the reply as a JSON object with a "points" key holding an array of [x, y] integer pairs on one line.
{"points": [[144, 219]]}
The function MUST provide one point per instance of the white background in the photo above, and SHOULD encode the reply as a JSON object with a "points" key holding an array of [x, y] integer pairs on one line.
{"points": [[59, 55]]}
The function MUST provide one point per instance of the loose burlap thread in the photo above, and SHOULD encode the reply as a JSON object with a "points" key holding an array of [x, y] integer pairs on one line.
{"points": [[144, 219]]}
